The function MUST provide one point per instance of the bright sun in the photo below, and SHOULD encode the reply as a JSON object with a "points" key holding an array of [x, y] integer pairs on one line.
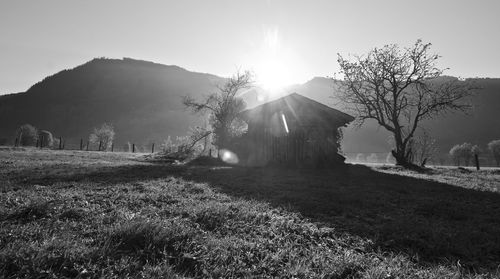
{"points": [[272, 74], [272, 64]]}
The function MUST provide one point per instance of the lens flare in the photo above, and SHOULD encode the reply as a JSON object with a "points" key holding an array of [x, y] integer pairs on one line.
{"points": [[228, 156], [284, 123]]}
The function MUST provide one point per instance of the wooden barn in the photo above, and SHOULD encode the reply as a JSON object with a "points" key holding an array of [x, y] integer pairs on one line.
{"points": [[292, 130]]}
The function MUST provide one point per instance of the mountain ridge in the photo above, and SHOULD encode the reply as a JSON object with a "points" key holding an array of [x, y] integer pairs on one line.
{"points": [[124, 92]]}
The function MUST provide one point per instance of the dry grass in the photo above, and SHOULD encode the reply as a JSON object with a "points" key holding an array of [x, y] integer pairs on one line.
{"points": [[79, 214]]}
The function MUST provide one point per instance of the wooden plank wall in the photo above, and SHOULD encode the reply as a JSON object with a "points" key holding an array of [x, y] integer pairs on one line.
{"points": [[292, 148]]}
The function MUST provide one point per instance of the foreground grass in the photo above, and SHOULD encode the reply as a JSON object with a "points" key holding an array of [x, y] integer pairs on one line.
{"points": [[86, 215]]}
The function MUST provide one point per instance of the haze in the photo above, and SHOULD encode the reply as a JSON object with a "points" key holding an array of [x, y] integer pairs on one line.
{"points": [[282, 41]]}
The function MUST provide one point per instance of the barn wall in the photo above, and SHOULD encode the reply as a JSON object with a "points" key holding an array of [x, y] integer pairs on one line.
{"points": [[308, 146]]}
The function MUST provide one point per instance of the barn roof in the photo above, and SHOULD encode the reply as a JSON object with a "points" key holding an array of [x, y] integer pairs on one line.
{"points": [[299, 110]]}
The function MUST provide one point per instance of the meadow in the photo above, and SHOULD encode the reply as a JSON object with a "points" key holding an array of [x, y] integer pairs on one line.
{"points": [[80, 214]]}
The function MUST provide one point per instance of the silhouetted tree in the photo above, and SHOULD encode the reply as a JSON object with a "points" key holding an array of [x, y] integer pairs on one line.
{"points": [[494, 147], [223, 107], [103, 136], [399, 88], [27, 135]]}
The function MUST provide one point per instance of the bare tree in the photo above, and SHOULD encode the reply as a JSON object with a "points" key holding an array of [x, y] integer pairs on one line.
{"points": [[103, 136], [399, 88], [195, 135], [223, 107], [27, 135]]}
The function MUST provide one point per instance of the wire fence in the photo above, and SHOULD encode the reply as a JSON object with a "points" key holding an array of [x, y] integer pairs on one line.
{"points": [[61, 143]]}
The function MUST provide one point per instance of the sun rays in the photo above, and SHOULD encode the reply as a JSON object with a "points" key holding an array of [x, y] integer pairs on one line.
{"points": [[274, 64]]}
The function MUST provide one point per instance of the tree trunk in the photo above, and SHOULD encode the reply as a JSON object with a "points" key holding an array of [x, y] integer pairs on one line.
{"points": [[400, 152], [400, 158]]}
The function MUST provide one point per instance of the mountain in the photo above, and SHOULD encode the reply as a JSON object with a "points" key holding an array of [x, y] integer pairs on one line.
{"points": [[143, 100]]}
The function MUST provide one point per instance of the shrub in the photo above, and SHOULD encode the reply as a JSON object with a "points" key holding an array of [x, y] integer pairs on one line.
{"points": [[494, 147], [55, 142], [360, 157], [461, 152], [46, 138], [103, 136], [455, 154], [476, 150], [27, 135], [372, 158], [167, 146], [389, 159], [192, 144]]}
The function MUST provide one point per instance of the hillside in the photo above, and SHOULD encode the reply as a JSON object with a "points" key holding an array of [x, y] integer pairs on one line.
{"points": [[143, 101]]}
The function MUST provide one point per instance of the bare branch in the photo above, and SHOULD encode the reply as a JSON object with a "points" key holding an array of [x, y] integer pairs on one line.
{"points": [[223, 105], [398, 88]]}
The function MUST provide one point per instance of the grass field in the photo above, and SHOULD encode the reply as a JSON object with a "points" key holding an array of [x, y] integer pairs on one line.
{"points": [[90, 214]]}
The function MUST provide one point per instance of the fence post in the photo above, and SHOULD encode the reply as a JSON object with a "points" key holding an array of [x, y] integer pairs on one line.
{"points": [[20, 141], [37, 141], [60, 143], [87, 145], [64, 142], [112, 146], [477, 161], [100, 145], [153, 148], [81, 144], [15, 143], [133, 147]]}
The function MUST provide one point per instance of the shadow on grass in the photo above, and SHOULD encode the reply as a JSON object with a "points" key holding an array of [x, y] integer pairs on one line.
{"points": [[430, 221]]}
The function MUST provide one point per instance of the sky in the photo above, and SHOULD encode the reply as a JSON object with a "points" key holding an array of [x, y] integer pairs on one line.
{"points": [[280, 41]]}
